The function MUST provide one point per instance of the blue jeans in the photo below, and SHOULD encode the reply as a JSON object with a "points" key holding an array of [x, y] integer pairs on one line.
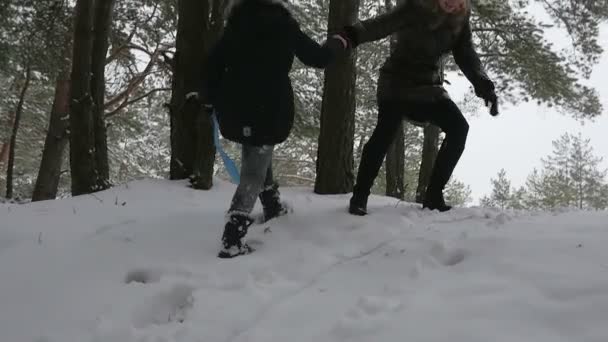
{"points": [[256, 175]]}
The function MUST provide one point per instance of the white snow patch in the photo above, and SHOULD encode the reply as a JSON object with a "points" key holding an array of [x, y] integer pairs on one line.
{"points": [[138, 263]]}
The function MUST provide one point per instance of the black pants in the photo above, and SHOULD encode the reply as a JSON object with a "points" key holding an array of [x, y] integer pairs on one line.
{"points": [[442, 113]]}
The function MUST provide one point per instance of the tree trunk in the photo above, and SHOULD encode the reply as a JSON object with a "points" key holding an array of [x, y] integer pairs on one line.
{"points": [[188, 125], [4, 153], [395, 157], [395, 166], [103, 20], [57, 135], [204, 158], [430, 149], [13, 143], [6, 145], [336, 139], [82, 128], [55, 143]]}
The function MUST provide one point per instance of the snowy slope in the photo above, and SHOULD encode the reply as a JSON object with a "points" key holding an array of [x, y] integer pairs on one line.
{"points": [[138, 263]]}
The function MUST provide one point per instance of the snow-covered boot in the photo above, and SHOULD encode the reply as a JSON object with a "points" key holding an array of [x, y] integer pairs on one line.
{"points": [[233, 238], [271, 203], [358, 205]]}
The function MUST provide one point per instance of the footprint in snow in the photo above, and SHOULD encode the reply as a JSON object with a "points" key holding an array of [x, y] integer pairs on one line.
{"points": [[367, 317], [152, 275], [373, 305], [109, 227], [263, 277], [499, 220], [167, 307], [448, 257], [143, 276]]}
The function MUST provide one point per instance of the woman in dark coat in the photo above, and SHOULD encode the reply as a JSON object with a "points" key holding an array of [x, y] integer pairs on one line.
{"points": [[411, 86], [248, 85]]}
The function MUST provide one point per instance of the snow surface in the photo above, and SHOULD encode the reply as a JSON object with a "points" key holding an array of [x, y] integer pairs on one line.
{"points": [[138, 263]]}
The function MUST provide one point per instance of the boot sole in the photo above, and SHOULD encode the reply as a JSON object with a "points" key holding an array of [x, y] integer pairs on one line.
{"points": [[357, 212], [245, 251], [441, 210]]}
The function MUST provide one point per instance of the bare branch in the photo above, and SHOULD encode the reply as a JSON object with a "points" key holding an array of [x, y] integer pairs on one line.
{"points": [[134, 83], [135, 100], [121, 48]]}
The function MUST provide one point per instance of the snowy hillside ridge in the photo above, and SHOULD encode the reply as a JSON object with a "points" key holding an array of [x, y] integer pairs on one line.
{"points": [[138, 263]]}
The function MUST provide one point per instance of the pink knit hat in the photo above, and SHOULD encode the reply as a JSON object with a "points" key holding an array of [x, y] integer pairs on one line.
{"points": [[453, 6]]}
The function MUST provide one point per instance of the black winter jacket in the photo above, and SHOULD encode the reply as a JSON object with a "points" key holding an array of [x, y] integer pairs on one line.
{"points": [[248, 71], [425, 35]]}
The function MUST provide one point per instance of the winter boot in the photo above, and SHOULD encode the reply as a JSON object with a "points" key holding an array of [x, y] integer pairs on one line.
{"points": [[271, 203], [234, 234], [434, 200], [358, 205]]}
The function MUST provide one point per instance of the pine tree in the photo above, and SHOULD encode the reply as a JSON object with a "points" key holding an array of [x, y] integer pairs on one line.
{"points": [[504, 195], [457, 193], [486, 202], [571, 177], [519, 56], [501, 190], [518, 198]]}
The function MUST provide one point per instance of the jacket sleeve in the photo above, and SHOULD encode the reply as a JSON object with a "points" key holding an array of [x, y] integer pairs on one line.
{"points": [[214, 71], [312, 53], [381, 26], [468, 60]]}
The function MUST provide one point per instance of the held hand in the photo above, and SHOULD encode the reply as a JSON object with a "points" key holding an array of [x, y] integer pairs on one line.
{"points": [[347, 36], [342, 40]]}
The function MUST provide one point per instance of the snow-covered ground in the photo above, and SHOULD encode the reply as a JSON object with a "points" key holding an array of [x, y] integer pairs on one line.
{"points": [[138, 263]]}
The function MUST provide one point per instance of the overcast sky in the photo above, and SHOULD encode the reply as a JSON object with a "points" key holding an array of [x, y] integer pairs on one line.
{"points": [[518, 138]]}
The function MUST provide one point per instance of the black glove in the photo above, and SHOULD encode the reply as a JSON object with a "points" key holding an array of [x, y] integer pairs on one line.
{"points": [[486, 92]]}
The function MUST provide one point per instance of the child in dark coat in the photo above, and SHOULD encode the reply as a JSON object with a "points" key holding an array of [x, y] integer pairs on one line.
{"points": [[248, 85]]}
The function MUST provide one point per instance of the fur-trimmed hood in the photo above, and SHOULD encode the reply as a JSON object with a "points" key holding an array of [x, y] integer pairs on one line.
{"points": [[235, 3]]}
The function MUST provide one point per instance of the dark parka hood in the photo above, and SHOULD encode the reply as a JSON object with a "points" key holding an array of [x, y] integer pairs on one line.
{"points": [[232, 4], [248, 79]]}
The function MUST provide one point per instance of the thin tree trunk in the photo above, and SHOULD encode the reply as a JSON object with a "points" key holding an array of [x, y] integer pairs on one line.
{"points": [[395, 166], [6, 145], [192, 151], [82, 126], [13, 143], [103, 20], [395, 157], [430, 149], [204, 158], [335, 154], [4, 153], [581, 195], [49, 173]]}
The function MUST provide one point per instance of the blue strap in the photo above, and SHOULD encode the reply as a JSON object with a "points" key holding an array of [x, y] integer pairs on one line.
{"points": [[230, 165]]}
